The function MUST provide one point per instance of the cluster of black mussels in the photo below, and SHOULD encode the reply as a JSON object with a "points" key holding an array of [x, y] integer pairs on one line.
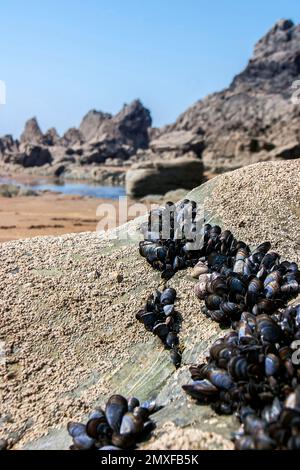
{"points": [[120, 426], [160, 317], [254, 369]]}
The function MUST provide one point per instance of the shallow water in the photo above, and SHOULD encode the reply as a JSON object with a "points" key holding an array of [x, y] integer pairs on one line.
{"points": [[78, 188]]}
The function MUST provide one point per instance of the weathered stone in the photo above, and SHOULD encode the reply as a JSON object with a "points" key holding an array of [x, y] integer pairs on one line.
{"points": [[90, 127], [32, 133], [33, 156]]}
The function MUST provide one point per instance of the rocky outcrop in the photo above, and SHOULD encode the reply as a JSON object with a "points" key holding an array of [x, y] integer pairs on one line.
{"points": [[160, 176], [90, 127], [178, 143], [8, 145], [254, 119]]}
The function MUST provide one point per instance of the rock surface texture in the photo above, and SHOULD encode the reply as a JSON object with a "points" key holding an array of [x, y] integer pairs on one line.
{"points": [[83, 343]]}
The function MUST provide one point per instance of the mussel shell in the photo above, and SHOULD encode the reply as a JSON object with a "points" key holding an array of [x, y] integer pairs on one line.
{"points": [[175, 357], [115, 409], [268, 330], [93, 427], [110, 448], [219, 316], [244, 442], [161, 330], [83, 442], [272, 364], [123, 441], [238, 368], [220, 378], [272, 289], [148, 319], [213, 302], [168, 309]]}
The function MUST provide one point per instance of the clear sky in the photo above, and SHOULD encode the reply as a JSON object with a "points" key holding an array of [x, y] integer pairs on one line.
{"points": [[61, 58]]}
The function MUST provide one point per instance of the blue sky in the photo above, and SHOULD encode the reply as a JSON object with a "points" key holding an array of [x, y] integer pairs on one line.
{"points": [[61, 58]]}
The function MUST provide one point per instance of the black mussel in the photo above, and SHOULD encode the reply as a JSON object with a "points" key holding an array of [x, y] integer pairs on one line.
{"points": [[131, 424], [3, 444], [270, 259], [83, 442], [244, 442], [133, 402], [75, 429], [220, 378], [232, 309], [213, 302], [161, 330], [272, 364], [96, 425], [263, 248], [115, 409], [123, 441], [175, 356], [272, 289], [274, 276], [235, 285], [291, 287], [254, 288], [220, 317], [245, 332], [238, 368], [148, 319], [268, 329], [168, 310]]}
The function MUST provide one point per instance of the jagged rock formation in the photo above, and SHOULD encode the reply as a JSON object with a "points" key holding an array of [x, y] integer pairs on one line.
{"points": [[254, 119]]}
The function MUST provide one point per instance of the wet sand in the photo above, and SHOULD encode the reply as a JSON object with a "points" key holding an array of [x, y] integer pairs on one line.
{"points": [[49, 214]]}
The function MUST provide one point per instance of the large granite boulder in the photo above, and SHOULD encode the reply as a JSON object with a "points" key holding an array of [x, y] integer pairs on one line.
{"points": [[254, 119], [161, 176]]}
